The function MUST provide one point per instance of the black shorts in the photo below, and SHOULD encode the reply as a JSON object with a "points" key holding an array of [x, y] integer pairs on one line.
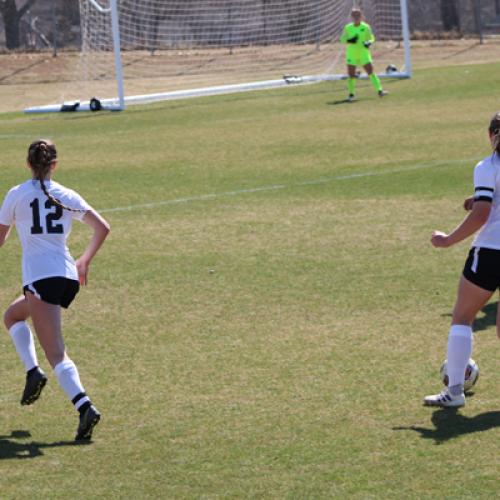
{"points": [[57, 291], [482, 268]]}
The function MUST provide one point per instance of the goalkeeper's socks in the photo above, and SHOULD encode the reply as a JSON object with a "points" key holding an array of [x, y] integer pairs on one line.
{"points": [[376, 82], [351, 85]]}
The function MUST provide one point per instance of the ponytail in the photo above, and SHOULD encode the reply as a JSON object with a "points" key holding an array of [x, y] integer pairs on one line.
{"points": [[494, 130], [41, 154]]}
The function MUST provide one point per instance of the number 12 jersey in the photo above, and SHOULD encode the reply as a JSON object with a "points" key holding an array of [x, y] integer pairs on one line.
{"points": [[43, 228]]}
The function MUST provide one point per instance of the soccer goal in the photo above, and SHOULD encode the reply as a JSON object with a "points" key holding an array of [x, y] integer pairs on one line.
{"points": [[140, 51]]}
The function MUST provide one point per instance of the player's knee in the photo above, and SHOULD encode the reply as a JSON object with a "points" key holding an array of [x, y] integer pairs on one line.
{"points": [[8, 318]]}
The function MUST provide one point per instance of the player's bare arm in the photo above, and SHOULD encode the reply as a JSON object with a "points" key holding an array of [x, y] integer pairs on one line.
{"points": [[475, 220], [101, 230], [468, 202], [4, 233]]}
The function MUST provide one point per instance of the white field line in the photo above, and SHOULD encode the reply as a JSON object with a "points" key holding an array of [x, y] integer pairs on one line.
{"points": [[15, 136], [276, 187]]}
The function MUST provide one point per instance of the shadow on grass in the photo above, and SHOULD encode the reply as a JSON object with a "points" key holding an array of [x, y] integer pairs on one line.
{"points": [[341, 101], [487, 320], [450, 424], [13, 447], [371, 97]]}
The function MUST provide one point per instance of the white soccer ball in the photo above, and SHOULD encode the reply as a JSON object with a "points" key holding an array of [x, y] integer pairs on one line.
{"points": [[471, 374]]}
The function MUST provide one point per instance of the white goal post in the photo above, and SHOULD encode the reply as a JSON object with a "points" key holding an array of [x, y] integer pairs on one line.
{"points": [[140, 51]]}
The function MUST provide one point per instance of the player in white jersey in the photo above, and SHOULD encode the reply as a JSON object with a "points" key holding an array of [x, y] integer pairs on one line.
{"points": [[481, 274], [42, 211]]}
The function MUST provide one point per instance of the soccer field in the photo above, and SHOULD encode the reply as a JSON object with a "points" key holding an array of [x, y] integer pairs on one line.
{"points": [[268, 312]]}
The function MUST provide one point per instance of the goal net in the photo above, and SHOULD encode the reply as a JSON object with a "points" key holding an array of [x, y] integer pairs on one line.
{"points": [[138, 51]]}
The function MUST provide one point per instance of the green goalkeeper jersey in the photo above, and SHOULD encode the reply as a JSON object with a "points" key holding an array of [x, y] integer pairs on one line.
{"points": [[364, 33]]}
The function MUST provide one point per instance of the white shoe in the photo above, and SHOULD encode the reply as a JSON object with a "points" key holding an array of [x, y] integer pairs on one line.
{"points": [[350, 98], [445, 399]]}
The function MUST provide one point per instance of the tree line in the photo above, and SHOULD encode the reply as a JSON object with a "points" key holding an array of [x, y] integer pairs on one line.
{"points": [[57, 21]]}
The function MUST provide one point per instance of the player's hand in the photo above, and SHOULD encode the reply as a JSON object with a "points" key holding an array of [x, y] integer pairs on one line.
{"points": [[367, 44], [468, 203], [439, 239], [83, 271], [354, 39]]}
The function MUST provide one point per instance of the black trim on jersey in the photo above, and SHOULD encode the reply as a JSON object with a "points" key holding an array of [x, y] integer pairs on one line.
{"points": [[484, 188], [483, 198]]}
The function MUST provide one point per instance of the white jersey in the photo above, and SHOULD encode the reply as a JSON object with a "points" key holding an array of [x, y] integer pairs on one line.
{"points": [[487, 188], [43, 228]]}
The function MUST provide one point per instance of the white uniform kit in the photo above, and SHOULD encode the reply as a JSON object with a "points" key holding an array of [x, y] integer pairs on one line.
{"points": [[487, 188], [482, 266], [43, 228]]}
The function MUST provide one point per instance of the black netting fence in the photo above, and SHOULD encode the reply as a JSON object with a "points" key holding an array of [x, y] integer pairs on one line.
{"points": [[55, 24]]}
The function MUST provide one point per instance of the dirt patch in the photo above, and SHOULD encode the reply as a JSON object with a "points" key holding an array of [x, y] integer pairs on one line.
{"points": [[29, 79]]}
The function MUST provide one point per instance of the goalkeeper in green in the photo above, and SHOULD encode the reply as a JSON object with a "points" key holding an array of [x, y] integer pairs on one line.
{"points": [[358, 37]]}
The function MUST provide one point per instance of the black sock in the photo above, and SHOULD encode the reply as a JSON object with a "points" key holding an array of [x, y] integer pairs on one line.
{"points": [[84, 407], [33, 370]]}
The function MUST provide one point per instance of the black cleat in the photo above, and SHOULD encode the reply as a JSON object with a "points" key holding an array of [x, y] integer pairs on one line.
{"points": [[88, 420], [35, 382]]}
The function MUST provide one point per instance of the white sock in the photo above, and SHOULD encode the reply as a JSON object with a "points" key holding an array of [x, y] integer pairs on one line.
{"points": [[25, 345], [459, 352], [68, 378]]}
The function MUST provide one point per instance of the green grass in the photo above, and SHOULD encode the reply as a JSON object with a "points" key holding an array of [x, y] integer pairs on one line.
{"points": [[273, 340]]}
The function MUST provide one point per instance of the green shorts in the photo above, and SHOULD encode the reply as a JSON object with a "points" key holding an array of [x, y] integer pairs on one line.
{"points": [[359, 59]]}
